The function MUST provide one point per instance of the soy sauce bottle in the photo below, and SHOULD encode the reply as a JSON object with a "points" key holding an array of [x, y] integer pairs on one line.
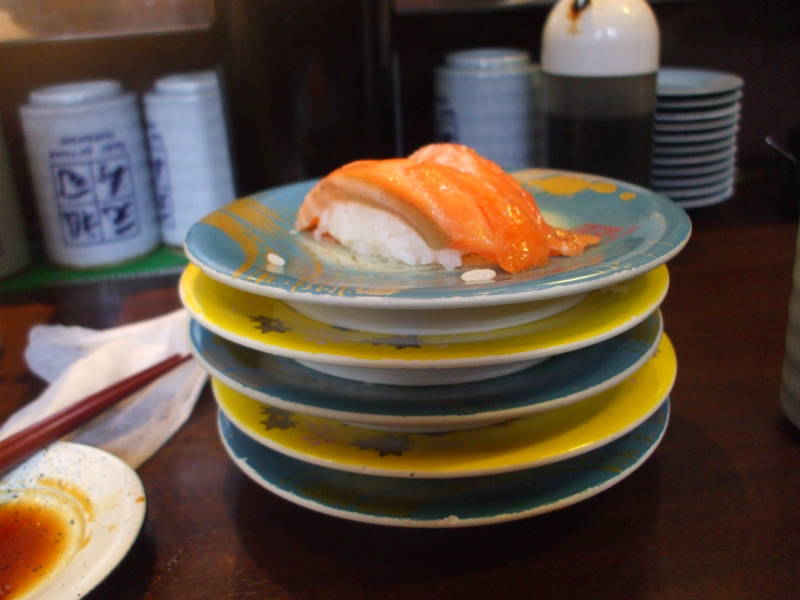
{"points": [[599, 64]]}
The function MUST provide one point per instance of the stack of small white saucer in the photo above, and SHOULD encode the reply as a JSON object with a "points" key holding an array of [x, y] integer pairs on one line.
{"points": [[695, 135]]}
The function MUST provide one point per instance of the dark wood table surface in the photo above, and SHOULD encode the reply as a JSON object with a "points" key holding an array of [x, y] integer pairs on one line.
{"points": [[714, 513]]}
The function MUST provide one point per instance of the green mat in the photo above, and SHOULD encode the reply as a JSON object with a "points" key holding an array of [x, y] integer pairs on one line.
{"points": [[40, 273]]}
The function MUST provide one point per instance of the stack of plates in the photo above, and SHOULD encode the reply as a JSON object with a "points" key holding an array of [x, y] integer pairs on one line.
{"points": [[405, 396], [696, 127]]}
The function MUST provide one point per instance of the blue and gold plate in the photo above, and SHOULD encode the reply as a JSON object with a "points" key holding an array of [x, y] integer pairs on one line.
{"points": [[561, 380], [535, 440], [269, 325], [445, 503], [639, 230]]}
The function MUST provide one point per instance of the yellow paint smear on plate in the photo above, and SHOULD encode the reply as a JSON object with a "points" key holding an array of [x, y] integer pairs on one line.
{"points": [[539, 439], [247, 222], [269, 325], [566, 185]]}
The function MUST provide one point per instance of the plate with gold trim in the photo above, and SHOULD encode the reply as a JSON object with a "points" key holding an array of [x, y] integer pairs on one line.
{"points": [[270, 325], [445, 503], [561, 380], [639, 230], [537, 440]]}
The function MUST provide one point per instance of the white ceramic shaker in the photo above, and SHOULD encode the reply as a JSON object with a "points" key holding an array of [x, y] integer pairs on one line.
{"points": [[189, 149], [790, 378], [14, 252], [91, 173], [485, 99], [600, 59]]}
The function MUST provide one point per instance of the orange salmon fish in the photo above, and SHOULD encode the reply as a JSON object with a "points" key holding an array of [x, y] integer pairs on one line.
{"points": [[453, 198]]}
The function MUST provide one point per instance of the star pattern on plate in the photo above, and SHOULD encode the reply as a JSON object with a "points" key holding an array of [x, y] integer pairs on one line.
{"points": [[384, 445], [398, 341], [276, 418], [269, 324]]}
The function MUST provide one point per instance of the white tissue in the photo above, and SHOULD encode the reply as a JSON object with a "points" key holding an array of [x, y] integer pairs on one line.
{"points": [[77, 362]]}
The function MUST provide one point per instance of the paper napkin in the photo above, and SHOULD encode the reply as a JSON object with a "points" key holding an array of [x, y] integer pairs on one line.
{"points": [[77, 362]]}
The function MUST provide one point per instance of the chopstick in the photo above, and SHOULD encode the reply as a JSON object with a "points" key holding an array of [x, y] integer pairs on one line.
{"points": [[16, 448]]}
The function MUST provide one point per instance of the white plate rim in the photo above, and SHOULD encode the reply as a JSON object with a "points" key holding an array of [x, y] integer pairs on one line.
{"points": [[707, 201], [707, 190], [715, 82], [697, 101], [670, 139], [696, 159], [702, 115], [701, 125], [664, 184], [669, 150], [719, 166]]}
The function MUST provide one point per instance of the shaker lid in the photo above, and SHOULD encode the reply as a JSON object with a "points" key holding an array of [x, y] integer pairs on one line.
{"points": [[179, 84], [600, 38], [495, 59], [69, 94]]}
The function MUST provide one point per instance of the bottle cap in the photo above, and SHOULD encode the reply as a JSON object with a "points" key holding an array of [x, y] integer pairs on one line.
{"points": [[183, 84], [488, 59], [600, 38], [69, 94]]}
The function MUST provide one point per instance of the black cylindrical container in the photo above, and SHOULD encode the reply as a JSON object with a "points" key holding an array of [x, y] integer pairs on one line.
{"points": [[599, 66], [308, 85]]}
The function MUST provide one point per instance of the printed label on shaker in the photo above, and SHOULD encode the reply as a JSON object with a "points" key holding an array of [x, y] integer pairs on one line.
{"points": [[159, 165], [94, 190], [446, 121]]}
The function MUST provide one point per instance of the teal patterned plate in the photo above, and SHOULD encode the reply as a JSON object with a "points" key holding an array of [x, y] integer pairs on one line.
{"points": [[561, 380], [445, 503], [639, 230]]}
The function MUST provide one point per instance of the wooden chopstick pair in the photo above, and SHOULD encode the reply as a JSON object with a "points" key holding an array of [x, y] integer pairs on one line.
{"points": [[19, 446]]}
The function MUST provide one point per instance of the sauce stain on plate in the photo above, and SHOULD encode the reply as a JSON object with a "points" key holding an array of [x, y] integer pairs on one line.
{"points": [[68, 514], [41, 529]]}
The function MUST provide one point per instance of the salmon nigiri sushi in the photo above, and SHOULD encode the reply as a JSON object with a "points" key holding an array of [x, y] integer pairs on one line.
{"points": [[443, 202]]}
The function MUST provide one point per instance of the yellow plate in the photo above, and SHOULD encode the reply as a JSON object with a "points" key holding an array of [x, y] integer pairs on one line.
{"points": [[269, 325], [511, 446]]}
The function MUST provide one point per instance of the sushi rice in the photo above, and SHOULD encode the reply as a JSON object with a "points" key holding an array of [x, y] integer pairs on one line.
{"points": [[373, 232]]}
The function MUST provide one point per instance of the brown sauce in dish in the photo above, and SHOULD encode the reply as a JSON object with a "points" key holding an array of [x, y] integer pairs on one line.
{"points": [[33, 539]]}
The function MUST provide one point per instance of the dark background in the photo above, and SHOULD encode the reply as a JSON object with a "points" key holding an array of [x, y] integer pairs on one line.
{"points": [[312, 84]]}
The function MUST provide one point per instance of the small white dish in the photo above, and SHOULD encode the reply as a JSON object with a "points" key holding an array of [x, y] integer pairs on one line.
{"points": [[709, 190], [703, 101], [693, 159], [681, 82], [105, 501], [693, 126], [711, 200], [666, 183], [710, 168], [683, 149], [700, 115], [694, 138]]}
